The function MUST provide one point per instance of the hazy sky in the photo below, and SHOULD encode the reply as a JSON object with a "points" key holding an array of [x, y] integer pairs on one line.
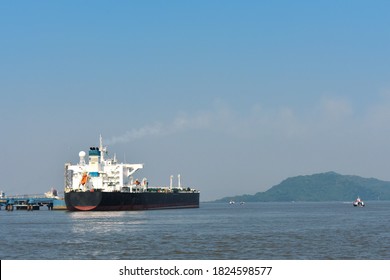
{"points": [[235, 96]]}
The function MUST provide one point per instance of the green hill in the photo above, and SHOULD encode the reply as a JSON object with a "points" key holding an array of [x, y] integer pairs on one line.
{"points": [[328, 186]]}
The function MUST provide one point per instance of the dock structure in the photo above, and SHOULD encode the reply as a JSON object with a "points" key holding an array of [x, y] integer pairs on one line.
{"points": [[26, 202]]}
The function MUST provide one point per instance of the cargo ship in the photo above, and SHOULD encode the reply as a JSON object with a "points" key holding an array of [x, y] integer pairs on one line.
{"points": [[104, 184]]}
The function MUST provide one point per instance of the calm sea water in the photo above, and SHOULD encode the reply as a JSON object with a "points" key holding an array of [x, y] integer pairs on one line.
{"points": [[316, 231]]}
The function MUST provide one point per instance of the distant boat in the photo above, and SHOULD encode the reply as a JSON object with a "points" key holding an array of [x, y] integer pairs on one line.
{"points": [[358, 202], [52, 194], [232, 202]]}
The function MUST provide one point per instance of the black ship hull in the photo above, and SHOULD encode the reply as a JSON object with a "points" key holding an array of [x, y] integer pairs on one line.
{"points": [[122, 201]]}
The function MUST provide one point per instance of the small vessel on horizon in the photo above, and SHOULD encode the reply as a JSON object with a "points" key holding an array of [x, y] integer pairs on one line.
{"points": [[358, 202], [106, 185], [53, 193]]}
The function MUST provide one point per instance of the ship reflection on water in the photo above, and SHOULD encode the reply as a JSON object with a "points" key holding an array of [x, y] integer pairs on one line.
{"points": [[103, 222]]}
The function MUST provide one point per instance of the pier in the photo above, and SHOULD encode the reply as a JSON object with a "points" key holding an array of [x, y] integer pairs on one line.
{"points": [[28, 202]]}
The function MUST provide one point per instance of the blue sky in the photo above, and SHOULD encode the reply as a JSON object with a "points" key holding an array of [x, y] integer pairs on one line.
{"points": [[234, 95]]}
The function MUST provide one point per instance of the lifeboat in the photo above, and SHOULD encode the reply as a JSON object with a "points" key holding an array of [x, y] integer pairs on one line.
{"points": [[84, 179]]}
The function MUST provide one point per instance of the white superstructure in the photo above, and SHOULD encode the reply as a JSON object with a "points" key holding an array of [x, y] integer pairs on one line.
{"points": [[102, 174]]}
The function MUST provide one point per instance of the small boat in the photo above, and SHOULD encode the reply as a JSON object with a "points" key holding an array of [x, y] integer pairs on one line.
{"points": [[358, 202]]}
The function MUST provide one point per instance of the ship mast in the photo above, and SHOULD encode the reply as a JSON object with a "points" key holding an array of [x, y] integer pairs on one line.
{"points": [[102, 149]]}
